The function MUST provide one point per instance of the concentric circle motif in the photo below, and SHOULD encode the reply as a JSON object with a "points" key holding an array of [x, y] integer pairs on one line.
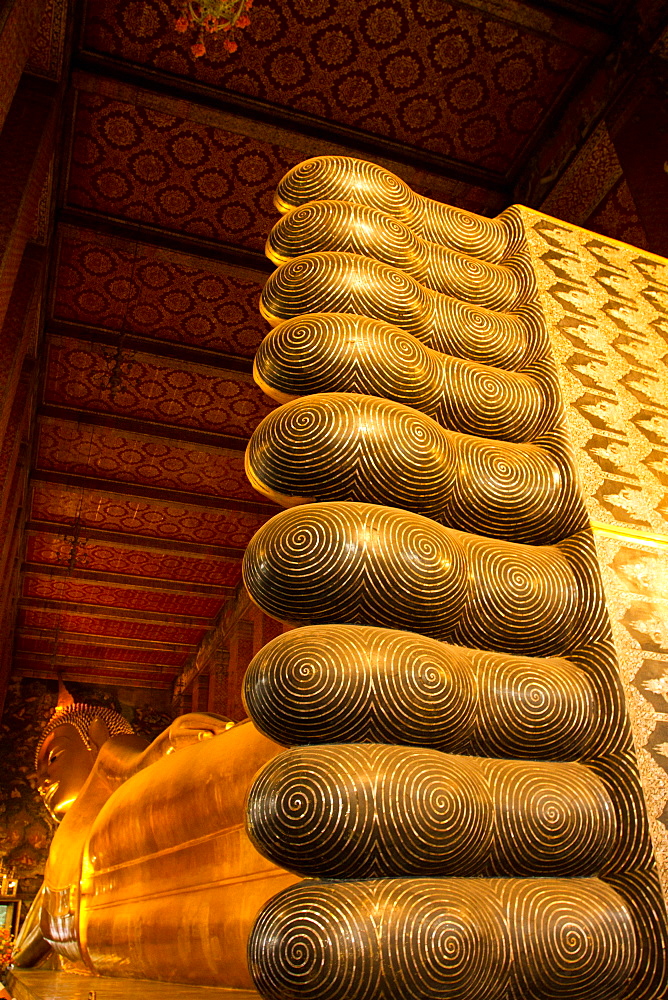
{"points": [[328, 352], [464, 939], [573, 938], [431, 497], [344, 446], [358, 811], [358, 229], [351, 684], [342, 178], [336, 282], [362, 564]]}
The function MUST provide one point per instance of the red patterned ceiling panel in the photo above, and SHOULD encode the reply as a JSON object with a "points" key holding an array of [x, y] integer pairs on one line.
{"points": [[448, 78], [157, 293], [152, 518], [104, 557], [78, 670], [77, 591], [91, 651], [136, 163], [118, 628], [127, 457], [110, 380]]}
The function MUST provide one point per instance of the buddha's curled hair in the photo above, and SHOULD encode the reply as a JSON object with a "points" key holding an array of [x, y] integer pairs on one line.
{"points": [[82, 717]]}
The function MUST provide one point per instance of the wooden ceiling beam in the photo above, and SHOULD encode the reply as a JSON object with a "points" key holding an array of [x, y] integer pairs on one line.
{"points": [[119, 642], [591, 14], [175, 432], [167, 545], [249, 264], [200, 500], [145, 679], [141, 582], [104, 611], [83, 660], [147, 345]]}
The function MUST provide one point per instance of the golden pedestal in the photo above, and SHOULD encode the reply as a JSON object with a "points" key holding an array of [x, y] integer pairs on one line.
{"points": [[38, 984]]}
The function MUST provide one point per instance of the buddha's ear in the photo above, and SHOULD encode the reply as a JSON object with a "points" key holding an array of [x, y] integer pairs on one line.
{"points": [[98, 734]]}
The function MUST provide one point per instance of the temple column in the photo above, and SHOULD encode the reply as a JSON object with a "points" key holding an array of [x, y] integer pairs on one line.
{"points": [[641, 144]]}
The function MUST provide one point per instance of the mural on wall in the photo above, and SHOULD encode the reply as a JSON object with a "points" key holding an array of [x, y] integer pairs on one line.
{"points": [[25, 826]]}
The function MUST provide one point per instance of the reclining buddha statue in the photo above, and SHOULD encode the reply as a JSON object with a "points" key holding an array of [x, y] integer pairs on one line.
{"points": [[436, 794], [150, 872]]}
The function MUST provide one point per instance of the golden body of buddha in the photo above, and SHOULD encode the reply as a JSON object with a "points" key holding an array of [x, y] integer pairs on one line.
{"points": [[150, 873]]}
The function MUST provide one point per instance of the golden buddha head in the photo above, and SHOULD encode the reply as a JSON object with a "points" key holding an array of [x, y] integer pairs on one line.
{"points": [[68, 749]]}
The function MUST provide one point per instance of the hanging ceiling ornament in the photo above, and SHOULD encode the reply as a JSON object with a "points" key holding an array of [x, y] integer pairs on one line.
{"points": [[210, 16]]}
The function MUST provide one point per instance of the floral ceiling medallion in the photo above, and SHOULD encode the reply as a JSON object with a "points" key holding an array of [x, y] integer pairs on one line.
{"points": [[210, 16]]}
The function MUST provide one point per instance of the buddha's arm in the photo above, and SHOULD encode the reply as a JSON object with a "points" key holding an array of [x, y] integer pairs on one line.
{"points": [[183, 732], [123, 756], [30, 945]]}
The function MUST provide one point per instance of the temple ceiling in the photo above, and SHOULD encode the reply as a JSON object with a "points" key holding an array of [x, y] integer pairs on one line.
{"points": [[139, 510]]}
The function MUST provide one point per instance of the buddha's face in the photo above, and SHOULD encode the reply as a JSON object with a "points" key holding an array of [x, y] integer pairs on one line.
{"points": [[63, 766]]}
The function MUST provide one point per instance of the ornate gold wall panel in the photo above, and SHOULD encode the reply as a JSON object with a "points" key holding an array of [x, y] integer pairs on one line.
{"points": [[607, 308], [606, 305], [447, 505]]}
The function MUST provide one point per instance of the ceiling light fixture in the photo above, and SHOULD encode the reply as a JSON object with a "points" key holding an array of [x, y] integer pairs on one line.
{"points": [[211, 16]]}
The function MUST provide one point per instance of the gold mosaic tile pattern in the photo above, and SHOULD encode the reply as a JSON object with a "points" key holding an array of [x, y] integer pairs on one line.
{"points": [[606, 305]]}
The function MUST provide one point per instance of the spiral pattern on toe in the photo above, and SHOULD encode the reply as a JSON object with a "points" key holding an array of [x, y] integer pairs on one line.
{"points": [[317, 944], [464, 939], [366, 810], [337, 446], [526, 707], [574, 939], [351, 684], [505, 340], [490, 402], [347, 228], [443, 939], [356, 563], [347, 283], [556, 817], [353, 811], [340, 446], [343, 178], [330, 282], [511, 491], [642, 894], [336, 352], [524, 599], [344, 227]]}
